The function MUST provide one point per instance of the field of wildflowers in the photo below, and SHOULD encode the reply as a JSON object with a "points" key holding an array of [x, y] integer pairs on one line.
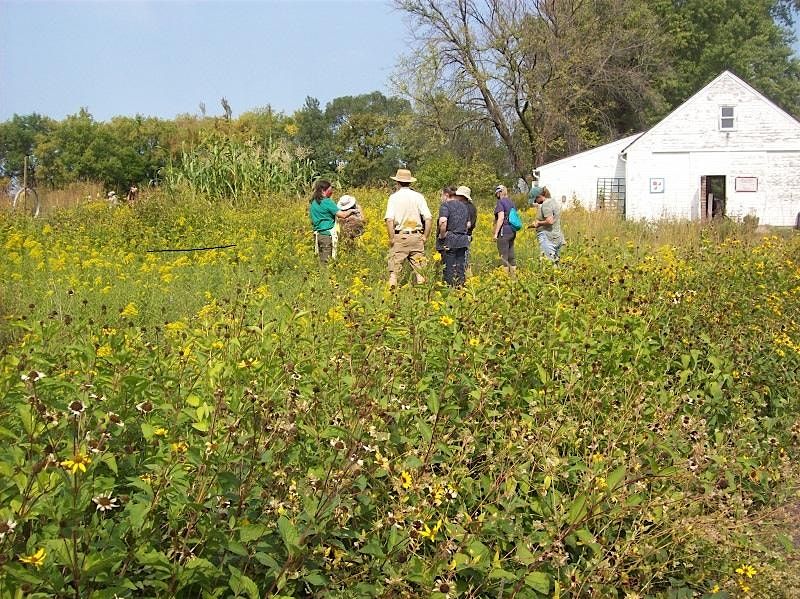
{"points": [[240, 422]]}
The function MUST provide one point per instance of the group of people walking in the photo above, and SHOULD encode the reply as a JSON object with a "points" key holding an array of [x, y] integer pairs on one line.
{"points": [[409, 224]]}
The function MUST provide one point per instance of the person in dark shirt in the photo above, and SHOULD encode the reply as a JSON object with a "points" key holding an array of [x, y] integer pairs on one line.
{"points": [[504, 235], [453, 238], [472, 210]]}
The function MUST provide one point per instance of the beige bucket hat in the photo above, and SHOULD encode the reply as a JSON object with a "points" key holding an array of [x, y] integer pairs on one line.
{"points": [[464, 191], [403, 175]]}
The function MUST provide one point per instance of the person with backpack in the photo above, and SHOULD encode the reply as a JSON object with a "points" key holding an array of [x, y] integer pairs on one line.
{"points": [[350, 226], [504, 232]]}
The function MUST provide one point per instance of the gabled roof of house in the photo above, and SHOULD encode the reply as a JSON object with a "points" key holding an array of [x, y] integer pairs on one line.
{"points": [[723, 75], [624, 142]]}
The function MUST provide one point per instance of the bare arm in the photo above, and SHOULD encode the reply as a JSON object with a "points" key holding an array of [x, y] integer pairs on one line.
{"points": [[442, 227], [427, 230], [390, 230], [501, 218]]}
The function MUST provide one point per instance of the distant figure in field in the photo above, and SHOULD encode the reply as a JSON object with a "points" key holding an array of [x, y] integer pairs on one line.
{"points": [[352, 225], [323, 213], [133, 193], [548, 226], [504, 234], [408, 225], [453, 227], [111, 198]]}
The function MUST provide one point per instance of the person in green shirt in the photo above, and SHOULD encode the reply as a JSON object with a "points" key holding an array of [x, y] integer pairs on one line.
{"points": [[323, 212], [548, 226]]}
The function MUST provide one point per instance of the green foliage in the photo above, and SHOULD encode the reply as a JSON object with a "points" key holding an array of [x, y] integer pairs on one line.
{"points": [[706, 37], [119, 153], [257, 426], [18, 139], [221, 168]]}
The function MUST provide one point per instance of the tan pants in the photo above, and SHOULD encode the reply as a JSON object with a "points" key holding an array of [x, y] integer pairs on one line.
{"points": [[407, 246]]}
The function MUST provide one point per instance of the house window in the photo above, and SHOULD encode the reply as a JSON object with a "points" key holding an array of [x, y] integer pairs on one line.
{"points": [[727, 118], [611, 195]]}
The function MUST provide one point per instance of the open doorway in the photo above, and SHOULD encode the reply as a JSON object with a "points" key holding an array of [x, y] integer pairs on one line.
{"points": [[712, 196]]}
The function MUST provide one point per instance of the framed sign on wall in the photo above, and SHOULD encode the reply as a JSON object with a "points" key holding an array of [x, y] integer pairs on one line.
{"points": [[657, 185], [746, 183]]}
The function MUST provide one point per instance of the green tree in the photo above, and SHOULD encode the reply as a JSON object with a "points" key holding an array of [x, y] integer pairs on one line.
{"points": [[752, 38], [313, 130], [18, 139], [550, 77], [366, 135]]}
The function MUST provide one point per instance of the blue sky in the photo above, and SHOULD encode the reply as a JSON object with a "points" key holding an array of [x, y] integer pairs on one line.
{"points": [[164, 58]]}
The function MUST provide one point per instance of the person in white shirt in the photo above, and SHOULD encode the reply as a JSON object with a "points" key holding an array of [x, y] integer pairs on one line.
{"points": [[408, 223]]}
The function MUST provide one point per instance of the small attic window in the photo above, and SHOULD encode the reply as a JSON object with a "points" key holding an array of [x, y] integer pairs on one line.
{"points": [[727, 118]]}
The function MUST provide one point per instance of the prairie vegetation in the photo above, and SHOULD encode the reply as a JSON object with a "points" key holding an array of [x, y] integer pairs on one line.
{"points": [[241, 423]]}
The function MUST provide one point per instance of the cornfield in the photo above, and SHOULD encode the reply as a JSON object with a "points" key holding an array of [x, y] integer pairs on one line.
{"points": [[232, 170]]}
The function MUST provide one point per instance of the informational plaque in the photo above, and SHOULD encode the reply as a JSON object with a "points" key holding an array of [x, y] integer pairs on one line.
{"points": [[746, 183], [657, 185]]}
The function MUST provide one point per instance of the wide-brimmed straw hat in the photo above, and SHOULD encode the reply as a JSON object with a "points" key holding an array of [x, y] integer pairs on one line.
{"points": [[346, 202], [465, 192], [403, 175]]}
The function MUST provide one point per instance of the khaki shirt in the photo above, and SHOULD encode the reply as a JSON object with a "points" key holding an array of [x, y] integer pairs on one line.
{"points": [[408, 209]]}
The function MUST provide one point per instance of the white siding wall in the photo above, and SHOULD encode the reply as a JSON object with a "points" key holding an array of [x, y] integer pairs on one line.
{"points": [[688, 145], [577, 175], [782, 188]]}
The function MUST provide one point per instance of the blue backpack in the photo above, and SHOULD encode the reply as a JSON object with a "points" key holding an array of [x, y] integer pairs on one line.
{"points": [[514, 219]]}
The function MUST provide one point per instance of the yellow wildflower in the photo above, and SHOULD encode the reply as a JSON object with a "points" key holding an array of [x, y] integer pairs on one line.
{"points": [[160, 432], [175, 326], [430, 533], [446, 320], [130, 311], [746, 570], [104, 351], [78, 462], [407, 480], [35, 559]]}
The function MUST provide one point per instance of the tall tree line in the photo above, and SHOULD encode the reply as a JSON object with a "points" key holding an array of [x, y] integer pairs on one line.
{"points": [[552, 77], [489, 88]]}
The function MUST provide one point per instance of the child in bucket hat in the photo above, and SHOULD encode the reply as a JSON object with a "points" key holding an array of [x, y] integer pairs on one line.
{"points": [[352, 225]]}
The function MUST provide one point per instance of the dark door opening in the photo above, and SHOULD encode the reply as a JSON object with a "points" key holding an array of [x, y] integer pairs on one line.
{"points": [[712, 197]]}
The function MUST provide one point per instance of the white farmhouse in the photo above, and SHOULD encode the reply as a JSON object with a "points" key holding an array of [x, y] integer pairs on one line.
{"points": [[727, 150]]}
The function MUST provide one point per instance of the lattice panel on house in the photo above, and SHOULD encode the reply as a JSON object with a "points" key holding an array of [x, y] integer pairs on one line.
{"points": [[611, 195]]}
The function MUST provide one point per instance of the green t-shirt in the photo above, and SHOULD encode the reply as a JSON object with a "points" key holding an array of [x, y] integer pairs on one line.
{"points": [[546, 209], [323, 215]]}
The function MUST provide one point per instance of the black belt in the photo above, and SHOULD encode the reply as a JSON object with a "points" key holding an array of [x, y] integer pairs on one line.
{"points": [[398, 231]]}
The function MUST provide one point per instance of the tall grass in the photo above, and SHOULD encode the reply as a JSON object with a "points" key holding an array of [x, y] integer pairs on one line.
{"points": [[229, 169]]}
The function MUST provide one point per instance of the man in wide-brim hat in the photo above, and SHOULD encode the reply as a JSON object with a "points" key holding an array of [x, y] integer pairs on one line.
{"points": [[408, 224]]}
